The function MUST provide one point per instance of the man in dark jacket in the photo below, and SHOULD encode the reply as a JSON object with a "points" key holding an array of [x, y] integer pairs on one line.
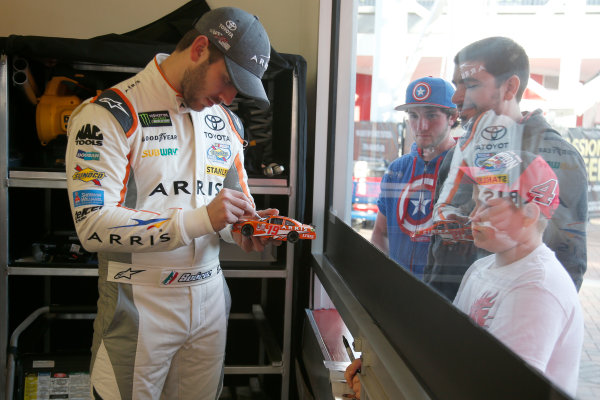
{"points": [[490, 77]]}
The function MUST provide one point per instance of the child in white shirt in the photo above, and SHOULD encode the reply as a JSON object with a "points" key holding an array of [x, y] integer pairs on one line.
{"points": [[521, 294]]}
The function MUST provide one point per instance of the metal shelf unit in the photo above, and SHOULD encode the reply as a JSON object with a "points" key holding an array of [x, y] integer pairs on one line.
{"points": [[278, 356]]}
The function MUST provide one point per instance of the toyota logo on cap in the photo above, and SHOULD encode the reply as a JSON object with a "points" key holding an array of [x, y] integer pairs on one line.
{"points": [[231, 25], [421, 92]]}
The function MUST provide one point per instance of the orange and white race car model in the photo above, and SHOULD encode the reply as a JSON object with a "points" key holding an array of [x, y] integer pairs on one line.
{"points": [[451, 231], [276, 227]]}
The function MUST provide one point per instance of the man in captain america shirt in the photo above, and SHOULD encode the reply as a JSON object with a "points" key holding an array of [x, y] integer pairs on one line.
{"points": [[406, 199]]}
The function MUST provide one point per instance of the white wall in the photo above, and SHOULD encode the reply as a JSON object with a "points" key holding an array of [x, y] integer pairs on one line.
{"points": [[292, 25]]}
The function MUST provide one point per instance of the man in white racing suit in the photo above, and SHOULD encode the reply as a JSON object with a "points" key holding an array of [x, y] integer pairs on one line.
{"points": [[155, 177]]}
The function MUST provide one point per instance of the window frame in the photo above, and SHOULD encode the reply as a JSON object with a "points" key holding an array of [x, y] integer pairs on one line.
{"points": [[404, 348]]}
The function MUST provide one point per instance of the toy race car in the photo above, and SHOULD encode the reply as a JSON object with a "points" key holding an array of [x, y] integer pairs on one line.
{"points": [[276, 227], [450, 231]]}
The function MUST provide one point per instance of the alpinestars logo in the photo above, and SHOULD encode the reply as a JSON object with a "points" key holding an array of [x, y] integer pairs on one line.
{"points": [[127, 273], [113, 104]]}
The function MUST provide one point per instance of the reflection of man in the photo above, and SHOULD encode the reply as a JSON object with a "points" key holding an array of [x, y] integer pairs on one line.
{"points": [[522, 294], [405, 202], [172, 159], [490, 77]]}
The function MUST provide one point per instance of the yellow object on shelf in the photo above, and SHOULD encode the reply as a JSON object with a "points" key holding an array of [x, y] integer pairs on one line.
{"points": [[54, 109]]}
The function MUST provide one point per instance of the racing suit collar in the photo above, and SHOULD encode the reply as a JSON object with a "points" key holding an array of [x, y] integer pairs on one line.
{"points": [[176, 98]]}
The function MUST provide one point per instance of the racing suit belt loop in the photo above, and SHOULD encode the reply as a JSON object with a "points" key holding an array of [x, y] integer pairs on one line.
{"points": [[161, 277]]}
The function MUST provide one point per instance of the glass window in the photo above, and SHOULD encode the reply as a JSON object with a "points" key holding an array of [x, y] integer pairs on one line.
{"points": [[396, 42]]}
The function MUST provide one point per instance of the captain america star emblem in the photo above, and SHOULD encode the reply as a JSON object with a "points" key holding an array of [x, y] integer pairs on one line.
{"points": [[413, 212], [421, 92]]}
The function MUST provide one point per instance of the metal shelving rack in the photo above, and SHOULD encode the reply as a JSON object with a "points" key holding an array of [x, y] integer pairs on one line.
{"points": [[278, 357]]}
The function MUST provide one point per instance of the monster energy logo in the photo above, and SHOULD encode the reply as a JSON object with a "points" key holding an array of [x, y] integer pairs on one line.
{"points": [[155, 118]]}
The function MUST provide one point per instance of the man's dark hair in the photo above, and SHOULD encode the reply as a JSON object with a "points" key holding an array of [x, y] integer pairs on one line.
{"points": [[501, 56], [187, 40], [451, 112]]}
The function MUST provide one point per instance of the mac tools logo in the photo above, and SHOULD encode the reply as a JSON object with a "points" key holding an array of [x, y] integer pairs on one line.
{"points": [[89, 134]]}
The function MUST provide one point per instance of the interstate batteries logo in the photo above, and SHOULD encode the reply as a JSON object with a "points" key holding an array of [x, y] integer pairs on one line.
{"points": [[88, 175], [152, 119]]}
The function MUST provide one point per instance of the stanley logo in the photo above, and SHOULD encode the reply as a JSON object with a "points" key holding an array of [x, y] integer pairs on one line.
{"points": [[492, 179], [216, 170]]}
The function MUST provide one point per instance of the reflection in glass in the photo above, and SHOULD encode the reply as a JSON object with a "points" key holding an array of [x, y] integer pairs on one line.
{"points": [[400, 41]]}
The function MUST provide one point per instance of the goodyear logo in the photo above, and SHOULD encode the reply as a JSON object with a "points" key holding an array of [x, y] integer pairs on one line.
{"points": [[492, 179], [155, 118], [88, 175], [212, 170]]}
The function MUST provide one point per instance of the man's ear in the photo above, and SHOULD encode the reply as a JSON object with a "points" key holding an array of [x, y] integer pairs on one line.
{"points": [[512, 87], [531, 212], [198, 48]]}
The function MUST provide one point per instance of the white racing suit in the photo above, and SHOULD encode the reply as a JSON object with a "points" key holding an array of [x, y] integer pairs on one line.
{"points": [[141, 168]]}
